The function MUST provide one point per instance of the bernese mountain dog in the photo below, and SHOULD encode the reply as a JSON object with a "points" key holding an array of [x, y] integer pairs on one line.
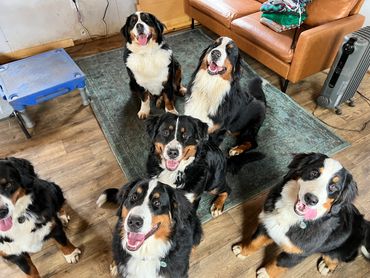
{"points": [[215, 97], [310, 211], [182, 157], [151, 66], [156, 230], [31, 212]]}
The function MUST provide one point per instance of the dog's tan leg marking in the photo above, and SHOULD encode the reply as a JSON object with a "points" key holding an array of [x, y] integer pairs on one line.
{"points": [[214, 128], [327, 265], [242, 250], [159, 102], [218, 205], [64, 217], [271, 270], [169, 105], [292, 249], [145, 107], [240, 149], [33, 270]]}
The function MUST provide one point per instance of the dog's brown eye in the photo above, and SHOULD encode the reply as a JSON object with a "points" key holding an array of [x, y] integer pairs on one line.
{"points": [[134, 197], [156, 203], [165, 132], [185, 135], [314, 174], [332, 187]]}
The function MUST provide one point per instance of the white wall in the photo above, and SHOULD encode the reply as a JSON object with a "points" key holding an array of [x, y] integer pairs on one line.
{"points": [[365, 10], [27, 23]]}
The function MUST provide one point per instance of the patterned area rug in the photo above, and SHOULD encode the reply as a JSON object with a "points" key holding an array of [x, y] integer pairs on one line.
{"points": [[288, 128]]}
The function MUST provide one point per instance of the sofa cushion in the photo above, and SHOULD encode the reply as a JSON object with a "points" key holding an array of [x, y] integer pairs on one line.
{"points": [[323, 11], [279, 44], [226, 11]]}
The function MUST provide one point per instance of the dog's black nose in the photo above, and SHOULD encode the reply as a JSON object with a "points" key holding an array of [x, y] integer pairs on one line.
{"points": [[310, 199], [140, 28], [135, 223], [215, 54], [3, 212], [173, 153]]}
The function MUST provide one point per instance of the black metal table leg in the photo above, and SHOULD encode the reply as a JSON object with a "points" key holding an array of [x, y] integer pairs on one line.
{"points": [[21, 124]]}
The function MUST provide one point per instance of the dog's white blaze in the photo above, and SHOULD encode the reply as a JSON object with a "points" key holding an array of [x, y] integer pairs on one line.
{"points": [[208, 92], [23, 239], [278, 222], [145, 262], [169, 177], [318, 186], [222, 49]]}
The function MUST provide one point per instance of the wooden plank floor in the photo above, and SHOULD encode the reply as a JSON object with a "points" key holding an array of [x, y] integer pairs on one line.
{"points": [[69, 148]]}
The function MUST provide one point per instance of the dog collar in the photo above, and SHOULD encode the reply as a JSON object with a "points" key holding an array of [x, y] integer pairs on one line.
{"points": [[303, 225], [163, 264]]}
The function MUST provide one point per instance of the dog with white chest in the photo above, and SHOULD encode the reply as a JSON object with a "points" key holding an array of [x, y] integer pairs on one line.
{"points": [[311, 211], [31, 212], [153, 70]]}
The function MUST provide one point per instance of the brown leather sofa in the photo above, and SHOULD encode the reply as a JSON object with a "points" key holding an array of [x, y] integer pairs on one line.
{"points": [[292, 54]]}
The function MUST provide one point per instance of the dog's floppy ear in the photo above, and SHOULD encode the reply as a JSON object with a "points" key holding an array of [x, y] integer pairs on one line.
{"points": [[125, 30], [237, 67], [300, 161], [159, 27], [24, 171], [202, 129], [347, 194], [152, 124], [181, 208]]}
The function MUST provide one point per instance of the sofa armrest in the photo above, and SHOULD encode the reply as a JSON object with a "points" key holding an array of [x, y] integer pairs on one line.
{"points": [[317, 47]]}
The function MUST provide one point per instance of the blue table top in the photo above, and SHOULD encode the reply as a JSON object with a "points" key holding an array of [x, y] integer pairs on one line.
{"points": [[37, 73]]}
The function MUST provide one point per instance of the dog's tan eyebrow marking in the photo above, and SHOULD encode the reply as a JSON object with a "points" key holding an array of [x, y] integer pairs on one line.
{"points": [[171, 127], [139, 190], [3, 181], [336, 179], [182, 129], [156, 195]]}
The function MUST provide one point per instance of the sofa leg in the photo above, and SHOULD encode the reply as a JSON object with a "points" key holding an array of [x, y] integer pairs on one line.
{"points": [[284, 84], [192, 23]]}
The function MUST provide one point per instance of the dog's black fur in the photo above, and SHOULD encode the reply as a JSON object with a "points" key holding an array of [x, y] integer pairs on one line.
{"points": [[338, 234], [18, 179], [171, 86], [206, 173], [185, 230], [242, 110]]}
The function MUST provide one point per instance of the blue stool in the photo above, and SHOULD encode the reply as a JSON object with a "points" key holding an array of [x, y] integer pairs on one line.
{"points": [[39, 78]]}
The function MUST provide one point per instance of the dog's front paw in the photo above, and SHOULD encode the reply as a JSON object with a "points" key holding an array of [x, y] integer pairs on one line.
{"points": [[326, 268], [142, 114], [74, 257], [262, 273], [216, 210], [113, 269], [237, 250]]}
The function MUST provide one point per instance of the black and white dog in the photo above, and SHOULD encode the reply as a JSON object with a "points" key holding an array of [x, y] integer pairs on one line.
{"points": [[156, 230], [181, 157], [214, 96], [310, 211], [151, 66], [31, 211]]}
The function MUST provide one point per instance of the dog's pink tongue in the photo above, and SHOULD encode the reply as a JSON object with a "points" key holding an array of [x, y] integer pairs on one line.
{"points": [[172, 164], [309, 213], [143, 39], [135, 240], [213, 67], [6, 224]]}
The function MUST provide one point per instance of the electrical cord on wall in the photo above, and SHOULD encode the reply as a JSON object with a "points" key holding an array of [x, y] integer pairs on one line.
{"points": [[80, 20], [364, 125]]}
